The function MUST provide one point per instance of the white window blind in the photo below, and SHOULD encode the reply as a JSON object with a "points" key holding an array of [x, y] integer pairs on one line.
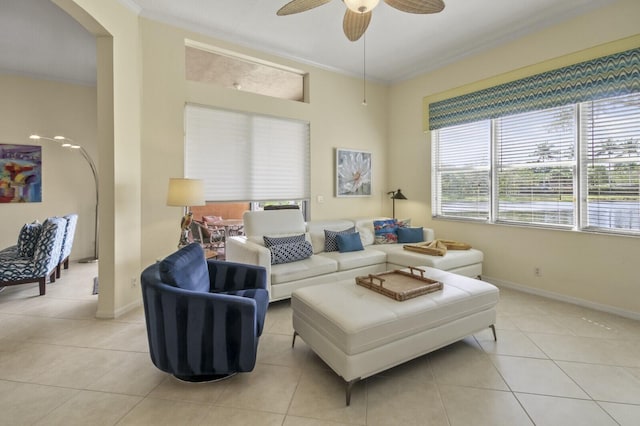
{"points": [[247, 157], [461, 172], [611, 156], [535, 164]]}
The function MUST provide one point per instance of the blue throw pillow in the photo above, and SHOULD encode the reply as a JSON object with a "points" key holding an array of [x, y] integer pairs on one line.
{"points": [[330, 243], [410, 235], [386, 231], [349, 242], [290, 252], [274, 241]]}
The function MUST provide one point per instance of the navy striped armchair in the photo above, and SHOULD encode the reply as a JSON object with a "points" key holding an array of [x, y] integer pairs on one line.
{"points": [[204, 317]]}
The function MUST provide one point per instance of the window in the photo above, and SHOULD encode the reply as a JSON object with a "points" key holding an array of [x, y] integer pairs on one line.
{"points": [[535, 166], [575, 166], [611, 158], [461, 168], [247, 157]]}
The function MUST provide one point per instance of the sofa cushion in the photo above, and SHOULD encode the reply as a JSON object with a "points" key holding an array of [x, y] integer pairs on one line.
{"points": [[316, 231], [409, 235], [454, 258], [349, 242], [310, 267], [330, 241], [27, 239], [273, 222], [365, 228], [356, 259], [274, 241], [291, 252], [187, 269]]}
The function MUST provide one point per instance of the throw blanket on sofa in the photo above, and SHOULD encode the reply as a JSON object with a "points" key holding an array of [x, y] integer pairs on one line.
{"points": [[437, 247]]}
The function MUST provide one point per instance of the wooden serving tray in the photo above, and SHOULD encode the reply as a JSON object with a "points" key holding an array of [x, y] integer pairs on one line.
{"points": [[400, 285]]}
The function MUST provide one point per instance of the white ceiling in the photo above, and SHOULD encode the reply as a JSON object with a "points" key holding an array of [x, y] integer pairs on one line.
{"points": [[38, 39]]}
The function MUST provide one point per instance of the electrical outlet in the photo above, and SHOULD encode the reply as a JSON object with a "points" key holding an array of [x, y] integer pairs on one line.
{"points": [[537, 271], [134, 282]]}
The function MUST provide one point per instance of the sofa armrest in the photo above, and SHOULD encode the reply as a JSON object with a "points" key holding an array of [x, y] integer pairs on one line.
{"points": [[429, 235], [241, 250]]}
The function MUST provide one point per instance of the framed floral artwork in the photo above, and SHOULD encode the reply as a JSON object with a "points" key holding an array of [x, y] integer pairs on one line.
{"points": [[353, 173]]}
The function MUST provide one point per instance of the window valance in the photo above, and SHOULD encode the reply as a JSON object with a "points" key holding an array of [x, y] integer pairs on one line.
{"points": [[608, 76]]}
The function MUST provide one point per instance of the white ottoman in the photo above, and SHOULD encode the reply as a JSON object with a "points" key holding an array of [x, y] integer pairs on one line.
{"points": [[359, 332]]}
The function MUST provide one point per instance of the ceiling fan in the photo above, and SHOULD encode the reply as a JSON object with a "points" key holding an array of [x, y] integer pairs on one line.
{"points": [[358, 13]]}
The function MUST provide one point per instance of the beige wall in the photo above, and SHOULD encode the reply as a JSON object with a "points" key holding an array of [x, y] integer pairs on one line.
{"points": [[141, 95], [118, 107], [597, 269], [52, 108], [338, 120]]}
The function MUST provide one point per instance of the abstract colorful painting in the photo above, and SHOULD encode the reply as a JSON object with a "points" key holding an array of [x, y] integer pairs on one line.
{"points": [[20, 173]]}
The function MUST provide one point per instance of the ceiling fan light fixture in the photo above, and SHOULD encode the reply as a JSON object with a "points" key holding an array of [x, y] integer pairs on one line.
{"points": [[361, 6]]}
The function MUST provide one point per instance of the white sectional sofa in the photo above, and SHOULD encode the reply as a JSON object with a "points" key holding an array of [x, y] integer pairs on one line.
{"points": [[327, 267]]}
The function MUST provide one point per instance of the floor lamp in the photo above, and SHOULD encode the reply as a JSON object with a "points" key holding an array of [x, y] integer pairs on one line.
{"points": [[396, 195], [185, 193], [70, 144]]}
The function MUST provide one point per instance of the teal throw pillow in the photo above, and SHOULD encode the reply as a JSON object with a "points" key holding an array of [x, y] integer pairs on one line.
{"points": [[410, 235], [349, 242]]}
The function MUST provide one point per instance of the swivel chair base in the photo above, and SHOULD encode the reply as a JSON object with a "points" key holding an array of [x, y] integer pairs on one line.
{"points": [[207, 378]]}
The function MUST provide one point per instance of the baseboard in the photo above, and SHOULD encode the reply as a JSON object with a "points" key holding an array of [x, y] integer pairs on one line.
{"points": [[120, 311], [563, 298]]}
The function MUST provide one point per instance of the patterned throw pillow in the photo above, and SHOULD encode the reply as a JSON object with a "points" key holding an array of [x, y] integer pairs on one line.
{"points": [[385, 231], [330, 243], [28, 238], [404, 223], [290, 252], [275, 241]]}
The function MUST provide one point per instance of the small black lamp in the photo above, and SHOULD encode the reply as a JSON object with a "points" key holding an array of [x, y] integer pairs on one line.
{"points": [[396, 195]]}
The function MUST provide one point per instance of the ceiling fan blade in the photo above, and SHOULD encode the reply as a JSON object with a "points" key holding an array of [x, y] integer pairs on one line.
{"points": [[355, 24], [417, 6], [297, 6]]}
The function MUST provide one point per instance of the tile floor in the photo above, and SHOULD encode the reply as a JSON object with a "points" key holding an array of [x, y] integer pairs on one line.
{"points": [[553, 364]]}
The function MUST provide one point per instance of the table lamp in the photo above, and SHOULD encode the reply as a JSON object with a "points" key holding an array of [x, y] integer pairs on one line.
{"points": [[185, 193]]}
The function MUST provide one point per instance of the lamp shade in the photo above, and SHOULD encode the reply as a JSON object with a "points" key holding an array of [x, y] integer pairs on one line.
{"points": [[185, 192], [398, 195], [361, 6]]}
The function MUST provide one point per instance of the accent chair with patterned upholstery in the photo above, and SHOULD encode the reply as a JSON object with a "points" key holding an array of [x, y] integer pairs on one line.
{"points": [[36, 255], [204, 317], [67, 243], [27, 238]]}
